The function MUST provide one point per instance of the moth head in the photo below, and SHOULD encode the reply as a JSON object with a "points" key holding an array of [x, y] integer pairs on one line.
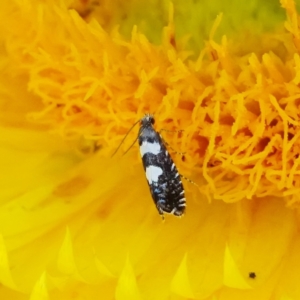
{"points": [[147, 120]]}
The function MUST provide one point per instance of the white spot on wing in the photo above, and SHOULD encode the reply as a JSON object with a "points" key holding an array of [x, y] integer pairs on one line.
{"points": [[147, 147], [152, 173]]}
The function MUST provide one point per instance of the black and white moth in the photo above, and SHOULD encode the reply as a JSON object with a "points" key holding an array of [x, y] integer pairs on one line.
{"points": [[162, 175], [163, 178]]}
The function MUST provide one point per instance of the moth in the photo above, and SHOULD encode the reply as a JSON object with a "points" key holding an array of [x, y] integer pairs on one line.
{"points": [[161, 173]]}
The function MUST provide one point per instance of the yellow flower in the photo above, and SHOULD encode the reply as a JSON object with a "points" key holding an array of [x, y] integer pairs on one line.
{"points": [[78, 224]]}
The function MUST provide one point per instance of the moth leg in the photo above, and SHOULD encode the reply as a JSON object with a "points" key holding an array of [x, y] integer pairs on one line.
{"points": [[169, 147], [189, 180], [167, 144], [160, 205]]}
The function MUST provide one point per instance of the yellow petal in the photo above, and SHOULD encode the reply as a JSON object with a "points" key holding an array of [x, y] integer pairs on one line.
{"points": [[285, 297], [127, 288], [232, 276], [40, 291], [65, 262], [5, 272], [103, 270], [180, 284]]}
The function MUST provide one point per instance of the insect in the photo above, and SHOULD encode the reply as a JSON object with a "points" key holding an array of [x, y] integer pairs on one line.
{"points": [[252, 275], [162, 175]]}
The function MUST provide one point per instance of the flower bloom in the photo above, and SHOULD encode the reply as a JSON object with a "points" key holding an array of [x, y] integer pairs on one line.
{"points": [[78, 224]]}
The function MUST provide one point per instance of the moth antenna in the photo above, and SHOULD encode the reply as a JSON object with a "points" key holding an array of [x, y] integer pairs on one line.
{"points": [[132, 143], [125, 138]]}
